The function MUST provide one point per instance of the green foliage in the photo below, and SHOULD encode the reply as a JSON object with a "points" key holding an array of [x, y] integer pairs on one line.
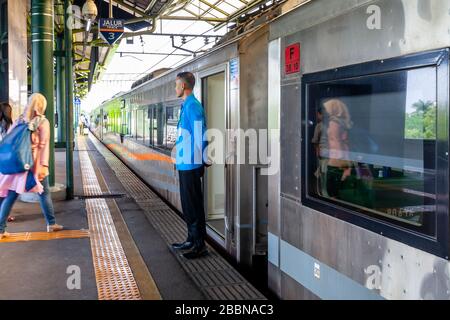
{"points": [[421, 124]]}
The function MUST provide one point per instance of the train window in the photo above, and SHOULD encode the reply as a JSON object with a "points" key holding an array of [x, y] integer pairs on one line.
{"points": [[133, 123], [114, 122], [147, 127], [172, 117], [140, 124], [156, 125], [124, 122], [105, 123], [150, 126], [372, 146]]}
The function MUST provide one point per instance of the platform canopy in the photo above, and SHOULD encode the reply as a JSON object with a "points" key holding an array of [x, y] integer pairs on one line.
{"points": [[92, 55]]}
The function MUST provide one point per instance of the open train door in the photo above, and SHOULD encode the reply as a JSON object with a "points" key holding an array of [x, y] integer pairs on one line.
{"points": [[215, 101]]}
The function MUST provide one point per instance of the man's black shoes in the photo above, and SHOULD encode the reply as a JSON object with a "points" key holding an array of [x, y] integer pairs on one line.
{"points": [[183, 246], [196, 253]]}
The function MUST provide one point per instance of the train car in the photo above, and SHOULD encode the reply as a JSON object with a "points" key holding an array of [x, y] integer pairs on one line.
{"points": [[354, 95], [140, 126], [359, 95]]}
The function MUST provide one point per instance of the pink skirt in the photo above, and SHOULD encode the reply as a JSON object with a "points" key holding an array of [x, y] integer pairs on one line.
{"points": [[17, 182]]}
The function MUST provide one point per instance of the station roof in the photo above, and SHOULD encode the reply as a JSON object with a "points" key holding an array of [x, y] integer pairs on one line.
{"points": [[91, 55]]}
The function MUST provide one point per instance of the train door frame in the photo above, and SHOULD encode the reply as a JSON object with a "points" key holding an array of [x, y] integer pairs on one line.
{"points": [[227, 205]]}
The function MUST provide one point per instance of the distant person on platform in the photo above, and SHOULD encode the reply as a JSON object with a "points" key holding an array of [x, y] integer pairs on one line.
{"points": [[81, 124], [190, 146]]}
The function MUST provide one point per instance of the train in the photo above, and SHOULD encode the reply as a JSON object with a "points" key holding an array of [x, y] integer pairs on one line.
{"points": [[348, 197]]}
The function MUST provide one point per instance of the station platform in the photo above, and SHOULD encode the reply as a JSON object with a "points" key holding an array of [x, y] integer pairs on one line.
{"points": [[115, 244]]}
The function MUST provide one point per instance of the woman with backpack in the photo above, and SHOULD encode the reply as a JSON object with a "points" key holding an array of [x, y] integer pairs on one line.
{"points": [[5, 124], [14, 184]]}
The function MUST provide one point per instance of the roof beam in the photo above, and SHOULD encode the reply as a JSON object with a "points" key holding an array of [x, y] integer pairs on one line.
{"points": [[131, 8], [150, 5], [200, 18], [248, 7], [190, 12], [177, 6], [215, 7], [100, 43], [194, 5], [206, 19], [232, 5], [215, 4], [123, 53]]}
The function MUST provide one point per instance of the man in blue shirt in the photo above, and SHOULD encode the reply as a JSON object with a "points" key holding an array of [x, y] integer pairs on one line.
{"points": [[190, 146]]}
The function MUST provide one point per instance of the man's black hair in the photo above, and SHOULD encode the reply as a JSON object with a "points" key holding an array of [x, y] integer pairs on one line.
{"points": [[188, 78]]}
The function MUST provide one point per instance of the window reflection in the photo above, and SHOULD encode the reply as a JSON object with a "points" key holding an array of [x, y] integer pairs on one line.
{"points": [[172, 117], [156, 125], [373, 145], [162, 125]]}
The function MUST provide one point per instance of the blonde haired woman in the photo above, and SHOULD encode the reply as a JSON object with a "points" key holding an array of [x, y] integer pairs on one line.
{"points": [[14, 184]]}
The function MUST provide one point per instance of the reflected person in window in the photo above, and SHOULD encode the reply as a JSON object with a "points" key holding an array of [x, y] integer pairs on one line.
{"points": [[336, 127]]}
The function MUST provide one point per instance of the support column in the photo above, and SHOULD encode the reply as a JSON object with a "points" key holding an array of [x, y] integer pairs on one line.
{"points": [[42, 69], [69, 99], [61, 89], [4, 85]]}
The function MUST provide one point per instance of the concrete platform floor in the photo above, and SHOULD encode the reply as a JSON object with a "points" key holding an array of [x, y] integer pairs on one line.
{"points": [[38, 269], [42, 269]]}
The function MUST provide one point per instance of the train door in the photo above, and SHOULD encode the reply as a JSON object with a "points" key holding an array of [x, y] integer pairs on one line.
{"points": [[214, 100]]}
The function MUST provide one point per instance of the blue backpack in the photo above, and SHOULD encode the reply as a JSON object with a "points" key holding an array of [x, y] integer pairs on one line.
{"points": [[15, 150], [16, 155]]}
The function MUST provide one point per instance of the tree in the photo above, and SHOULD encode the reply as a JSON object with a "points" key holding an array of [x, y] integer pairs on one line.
{"points": [[421, 124]]}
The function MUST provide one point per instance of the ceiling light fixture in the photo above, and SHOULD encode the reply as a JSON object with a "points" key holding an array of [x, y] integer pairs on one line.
{"points": [[89, 12]]}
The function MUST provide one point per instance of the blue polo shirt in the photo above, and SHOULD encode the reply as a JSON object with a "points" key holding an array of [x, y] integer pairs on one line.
{"points": [[191, 142]]}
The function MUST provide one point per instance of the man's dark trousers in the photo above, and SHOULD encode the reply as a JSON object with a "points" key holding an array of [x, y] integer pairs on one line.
{"points": [[192, 204]]}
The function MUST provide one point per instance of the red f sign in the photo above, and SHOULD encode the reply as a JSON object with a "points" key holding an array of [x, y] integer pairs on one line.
{"points": [[292, 58]]}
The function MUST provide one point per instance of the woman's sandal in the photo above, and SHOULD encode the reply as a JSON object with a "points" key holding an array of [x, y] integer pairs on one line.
{"points": [[11, 219]]}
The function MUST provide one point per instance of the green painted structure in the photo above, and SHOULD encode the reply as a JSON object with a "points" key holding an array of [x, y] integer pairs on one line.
{"points": [[3, 50], [42, 69], [69, 102]]}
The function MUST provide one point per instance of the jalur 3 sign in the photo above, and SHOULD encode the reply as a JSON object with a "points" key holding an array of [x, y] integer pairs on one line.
{"points": [[111, 29]]}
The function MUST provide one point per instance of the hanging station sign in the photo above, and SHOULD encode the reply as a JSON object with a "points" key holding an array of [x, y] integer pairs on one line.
{"points": [[111, 29]]}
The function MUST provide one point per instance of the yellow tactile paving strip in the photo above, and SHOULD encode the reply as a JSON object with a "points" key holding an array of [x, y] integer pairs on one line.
{"points": [[45, 236], [213, 275], [115, 280]]}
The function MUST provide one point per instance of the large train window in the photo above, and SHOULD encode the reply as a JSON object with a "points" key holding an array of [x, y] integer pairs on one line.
{"points": [[156, 126], [376, 147], [172, 117], [140, 124]]}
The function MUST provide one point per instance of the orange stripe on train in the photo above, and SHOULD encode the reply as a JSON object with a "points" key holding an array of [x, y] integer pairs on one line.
{"points": [[141, 156]]}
